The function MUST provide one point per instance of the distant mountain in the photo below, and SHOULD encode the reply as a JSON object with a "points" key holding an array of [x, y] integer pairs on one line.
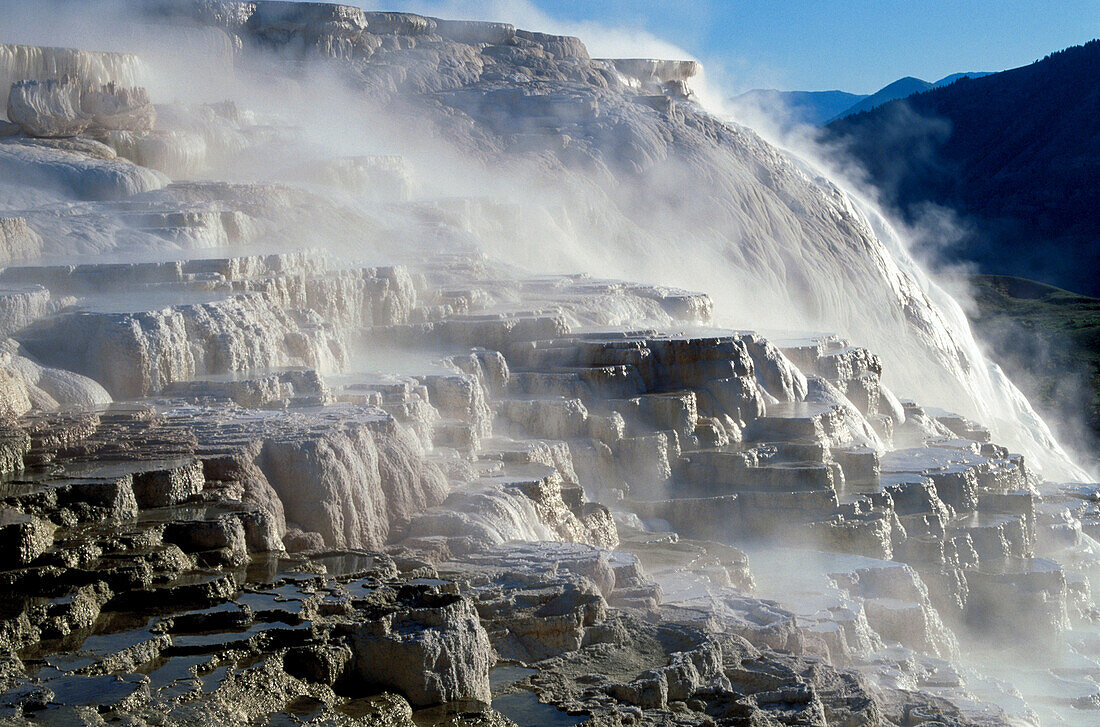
{"points": [[1016, 154], [801, 107], [817, 108], [900, 88]]}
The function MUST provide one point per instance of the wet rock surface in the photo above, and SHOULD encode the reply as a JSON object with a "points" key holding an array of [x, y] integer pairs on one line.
{"points": [[246, 481], [565, 508]]}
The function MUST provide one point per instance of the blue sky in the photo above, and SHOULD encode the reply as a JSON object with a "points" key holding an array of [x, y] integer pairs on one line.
{"points": [[853, 45]]}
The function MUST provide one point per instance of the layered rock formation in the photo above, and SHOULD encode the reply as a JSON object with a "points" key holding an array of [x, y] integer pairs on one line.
{"points": [[314, 441], [66, 107]]}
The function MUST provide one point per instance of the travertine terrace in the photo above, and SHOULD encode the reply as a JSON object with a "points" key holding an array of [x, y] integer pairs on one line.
{"points": [[311, 442]]}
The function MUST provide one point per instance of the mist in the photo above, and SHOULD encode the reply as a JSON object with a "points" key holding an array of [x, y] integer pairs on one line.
{"points": [[556, 273], [765, 269], [931, 235]]}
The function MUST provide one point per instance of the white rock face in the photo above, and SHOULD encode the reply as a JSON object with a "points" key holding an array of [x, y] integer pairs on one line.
{"points": [[136, 354], [118, 108], [17, 240], [381, 178], [664, 70], [28, 385], [351, 299], [432, 655], [854, 427], [249, 485], [774, 371], [68, 106], [36, 63], [64, 175], [48, 108], [175, 153], [354, 483], [187, 140], [20, 306], [493, 513]]}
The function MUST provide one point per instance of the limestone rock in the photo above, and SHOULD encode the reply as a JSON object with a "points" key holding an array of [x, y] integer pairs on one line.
{"points": [[134, 354], [69, 174], [473, 32], [169, 486], [67, 106], [48, 108], [25, 62], [17, 240], [115, 108], [354, 483], [29, 385], [432, 654], [23, 537]]}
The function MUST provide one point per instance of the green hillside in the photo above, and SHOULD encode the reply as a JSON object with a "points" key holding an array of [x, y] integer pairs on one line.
{"points": [[1048, 339]]}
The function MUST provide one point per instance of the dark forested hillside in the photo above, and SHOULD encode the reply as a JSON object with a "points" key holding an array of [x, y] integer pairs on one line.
{"points": [[1016, 153], [900, 88]]}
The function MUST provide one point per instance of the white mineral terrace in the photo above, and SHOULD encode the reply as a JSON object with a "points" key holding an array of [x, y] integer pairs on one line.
{"points": [[411, 379]]}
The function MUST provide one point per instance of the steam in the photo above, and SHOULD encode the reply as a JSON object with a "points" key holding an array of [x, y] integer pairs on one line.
{"points": [[660, 229], [768, 222], [919, 248], [802, 246], [987, 395], [601, 40]]}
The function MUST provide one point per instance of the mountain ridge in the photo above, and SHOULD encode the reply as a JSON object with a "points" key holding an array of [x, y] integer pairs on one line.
{"points": [[1013, 154], [817, 108], [805, 107]]}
